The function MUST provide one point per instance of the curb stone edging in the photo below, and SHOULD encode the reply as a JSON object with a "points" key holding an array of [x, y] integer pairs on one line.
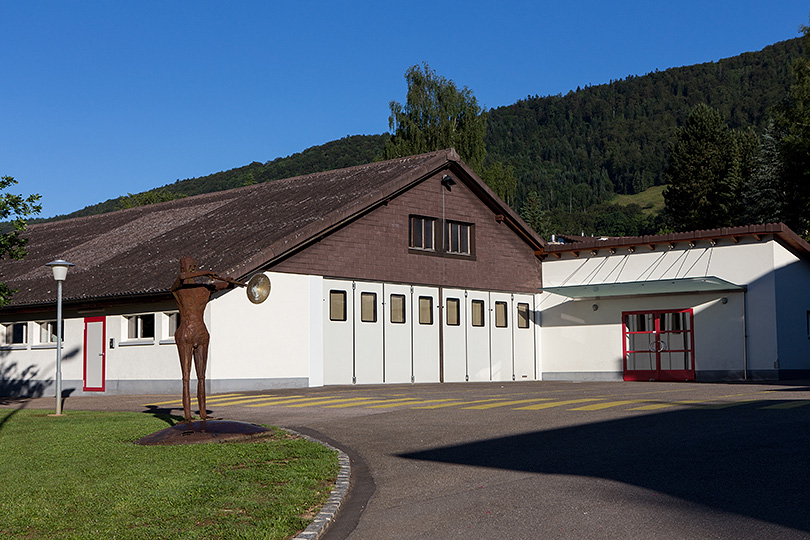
{"points": [[330, 508]]}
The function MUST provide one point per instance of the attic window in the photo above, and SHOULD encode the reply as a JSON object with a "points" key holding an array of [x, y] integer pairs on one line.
{"points": [[458, 237], [422, 233]]}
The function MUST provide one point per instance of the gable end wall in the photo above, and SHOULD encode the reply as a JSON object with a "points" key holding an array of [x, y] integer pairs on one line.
{"points": [[375, 246]]}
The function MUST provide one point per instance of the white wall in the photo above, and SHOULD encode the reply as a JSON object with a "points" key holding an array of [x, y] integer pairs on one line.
{"points": [[256, 346]]}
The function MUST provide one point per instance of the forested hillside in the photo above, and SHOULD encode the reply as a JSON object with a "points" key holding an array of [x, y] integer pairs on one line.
{"points": [[577, 150], [571, 154]]}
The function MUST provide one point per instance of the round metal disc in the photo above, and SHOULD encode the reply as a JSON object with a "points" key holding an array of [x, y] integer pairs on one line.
{"points": [[258, 288]]}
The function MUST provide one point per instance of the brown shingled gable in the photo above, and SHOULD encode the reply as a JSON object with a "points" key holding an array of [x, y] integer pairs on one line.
{"points": [[134, 252]]}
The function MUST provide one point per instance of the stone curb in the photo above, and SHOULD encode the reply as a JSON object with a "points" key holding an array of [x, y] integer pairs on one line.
{"points": [[330, 508]]}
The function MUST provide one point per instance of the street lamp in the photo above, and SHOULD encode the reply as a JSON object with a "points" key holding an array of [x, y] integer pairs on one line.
{"points": [[60, 269]]}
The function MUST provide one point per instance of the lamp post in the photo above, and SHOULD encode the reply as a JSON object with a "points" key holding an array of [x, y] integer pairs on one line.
{"points": [[60, 269]]}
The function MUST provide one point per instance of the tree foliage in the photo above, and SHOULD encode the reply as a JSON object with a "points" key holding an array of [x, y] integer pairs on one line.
{"points": [[436, 115], [709, 164], [14, 209], [792, 122]]}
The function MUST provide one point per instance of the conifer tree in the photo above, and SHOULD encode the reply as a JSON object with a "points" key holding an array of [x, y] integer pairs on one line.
{"points": [[792, 119], [709, 164]]}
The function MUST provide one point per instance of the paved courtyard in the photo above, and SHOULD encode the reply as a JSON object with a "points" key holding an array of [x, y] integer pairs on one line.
{"points": [[547, 459]]}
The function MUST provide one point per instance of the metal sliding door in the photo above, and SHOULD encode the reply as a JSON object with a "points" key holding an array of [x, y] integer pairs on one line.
{"points": [[425, 324], [478, 352], [398, 320], [454, 329], [368, 333]]}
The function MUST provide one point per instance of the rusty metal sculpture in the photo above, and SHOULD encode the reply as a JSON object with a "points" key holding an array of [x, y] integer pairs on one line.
{"points": [[192, 289]]}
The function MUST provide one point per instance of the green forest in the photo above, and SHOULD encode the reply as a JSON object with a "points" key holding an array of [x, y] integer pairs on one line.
{"points": [[572, 155]]}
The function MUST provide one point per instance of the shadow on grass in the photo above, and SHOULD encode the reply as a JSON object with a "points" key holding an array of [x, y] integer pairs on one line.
{"points": [[748, 460], [164, 414]]}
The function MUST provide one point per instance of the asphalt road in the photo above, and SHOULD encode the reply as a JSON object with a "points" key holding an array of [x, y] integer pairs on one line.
{"points": [[546, 459]]}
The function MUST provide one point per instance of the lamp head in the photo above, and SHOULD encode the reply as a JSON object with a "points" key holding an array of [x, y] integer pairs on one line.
{"points": [[60, 269]]}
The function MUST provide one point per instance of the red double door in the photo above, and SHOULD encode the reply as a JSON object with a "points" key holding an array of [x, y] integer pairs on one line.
{"points": [[658, 345]]}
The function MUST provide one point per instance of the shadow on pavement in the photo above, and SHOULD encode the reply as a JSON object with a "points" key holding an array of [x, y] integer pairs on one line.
{"points": [[747, 460]]}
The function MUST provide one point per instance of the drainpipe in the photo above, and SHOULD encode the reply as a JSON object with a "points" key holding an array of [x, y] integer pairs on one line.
{"points": [[745, 338]]}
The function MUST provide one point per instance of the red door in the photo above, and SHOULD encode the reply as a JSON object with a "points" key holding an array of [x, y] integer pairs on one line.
{"points": [[658, 345]]}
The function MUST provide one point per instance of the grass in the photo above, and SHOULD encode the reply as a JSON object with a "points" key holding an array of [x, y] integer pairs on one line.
{"points": [[81, 476], [650, 200]]}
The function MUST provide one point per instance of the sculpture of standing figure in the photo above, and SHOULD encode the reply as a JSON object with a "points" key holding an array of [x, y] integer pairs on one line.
{"points": [[192, 289]]}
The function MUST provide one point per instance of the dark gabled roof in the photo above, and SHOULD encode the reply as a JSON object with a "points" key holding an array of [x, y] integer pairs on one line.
{"points": [[781, 232], [135, 252]]}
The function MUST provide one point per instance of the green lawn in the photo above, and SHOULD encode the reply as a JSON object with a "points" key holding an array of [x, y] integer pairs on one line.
{"points": [[81, 476], [650, 200]]}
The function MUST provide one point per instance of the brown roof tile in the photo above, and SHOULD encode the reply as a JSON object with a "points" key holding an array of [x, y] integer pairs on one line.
{"points": [[235, 232]]}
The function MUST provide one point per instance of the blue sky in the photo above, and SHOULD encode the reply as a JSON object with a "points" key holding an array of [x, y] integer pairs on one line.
{"points": [[101, 98]]}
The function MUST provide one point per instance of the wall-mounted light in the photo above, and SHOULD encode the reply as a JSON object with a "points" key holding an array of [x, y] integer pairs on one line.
{"points": [[447, 182], [595, 307], [724, 300]]}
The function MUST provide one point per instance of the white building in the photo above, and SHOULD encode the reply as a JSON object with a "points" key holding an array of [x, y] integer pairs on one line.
{"points": [[409, 270]]}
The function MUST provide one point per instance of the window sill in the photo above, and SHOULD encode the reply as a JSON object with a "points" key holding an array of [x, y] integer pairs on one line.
{"points": [[16, 347], [46, 346], [134, 342], [166, 341], [443, 254]]}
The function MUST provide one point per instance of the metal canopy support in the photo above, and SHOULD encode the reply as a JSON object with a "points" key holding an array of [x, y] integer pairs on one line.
{"points": [[639, 288]]}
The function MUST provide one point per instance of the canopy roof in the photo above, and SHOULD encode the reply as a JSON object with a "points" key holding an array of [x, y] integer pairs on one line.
{"points": [[636, 288]]}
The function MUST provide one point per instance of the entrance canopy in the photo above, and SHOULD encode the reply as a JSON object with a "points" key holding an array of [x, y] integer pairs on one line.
{"points": [[638, 288]]}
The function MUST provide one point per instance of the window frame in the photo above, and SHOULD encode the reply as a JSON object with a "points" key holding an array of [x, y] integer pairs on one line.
{"points": [[404, 317], [482, 304], [8, 335], [334, 293], [412, 240], [364, 317], [468, 228], [133, 329], [456, 310]]}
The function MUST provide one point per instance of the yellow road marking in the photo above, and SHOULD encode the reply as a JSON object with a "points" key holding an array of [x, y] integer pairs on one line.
{"points": [[656, 406], [326, 401], [254, 399], [505, 403], [367, 402], [457, 403], [285, 401], [388, 406], [180, 401], [789, 404], [609, 404], [729, 404], [555, 404]]}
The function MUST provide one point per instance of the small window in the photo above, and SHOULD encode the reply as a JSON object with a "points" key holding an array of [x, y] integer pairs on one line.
{"points": [[523, 315], [457, 238], [174, 322], [422, 233], [398, 308], [501, 320], [337, 305], [368, 307], [47, 332], [453, 312], [425, 310], [141, 326], [478, 313], [15, 334]]}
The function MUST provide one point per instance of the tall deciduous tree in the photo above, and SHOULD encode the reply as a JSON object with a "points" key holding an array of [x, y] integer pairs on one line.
{"points": [[792, 119], [14, 208], [436, 114], [709, 164]]}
